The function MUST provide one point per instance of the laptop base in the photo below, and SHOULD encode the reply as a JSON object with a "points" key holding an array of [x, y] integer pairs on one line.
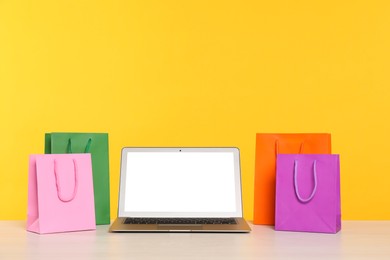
{"points": [[241, 227]]}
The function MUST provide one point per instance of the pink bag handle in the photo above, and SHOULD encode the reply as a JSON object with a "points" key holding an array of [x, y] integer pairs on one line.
{"points": [[277, 147], [296, 182], [59, 194]]}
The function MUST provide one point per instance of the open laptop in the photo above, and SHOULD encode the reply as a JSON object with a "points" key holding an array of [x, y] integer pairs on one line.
{"points": [[180, 190]]}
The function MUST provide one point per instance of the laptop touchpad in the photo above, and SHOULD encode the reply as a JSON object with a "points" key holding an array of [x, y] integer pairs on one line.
{"points": [[179, 227]]}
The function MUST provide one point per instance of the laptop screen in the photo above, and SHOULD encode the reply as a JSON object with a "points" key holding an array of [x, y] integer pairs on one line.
{"points": [[180, 182]]}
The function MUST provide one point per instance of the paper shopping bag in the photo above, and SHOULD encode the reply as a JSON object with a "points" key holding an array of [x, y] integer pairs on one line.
{"points": [[97, 145], [60, 193], [267, 147], [308, 193]]}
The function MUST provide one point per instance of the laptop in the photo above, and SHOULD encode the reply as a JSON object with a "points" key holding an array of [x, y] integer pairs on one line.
{"points": [[180, 190]]}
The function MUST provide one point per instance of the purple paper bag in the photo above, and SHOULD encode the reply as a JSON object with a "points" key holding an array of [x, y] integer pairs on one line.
{"points": [[308, 193]]}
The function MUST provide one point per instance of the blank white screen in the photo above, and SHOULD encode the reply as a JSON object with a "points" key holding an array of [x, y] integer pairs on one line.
{"points": [[180, 182]]}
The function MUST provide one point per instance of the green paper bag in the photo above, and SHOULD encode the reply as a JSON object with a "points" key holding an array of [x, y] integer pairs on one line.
{"points": [[97, 145]]}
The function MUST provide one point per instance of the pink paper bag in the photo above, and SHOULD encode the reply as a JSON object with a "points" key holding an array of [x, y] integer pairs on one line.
{"points": [[60, 193], [308, 193]]}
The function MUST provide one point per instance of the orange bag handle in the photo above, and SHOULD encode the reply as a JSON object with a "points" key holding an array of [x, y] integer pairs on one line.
{"points": [[277, 147]]}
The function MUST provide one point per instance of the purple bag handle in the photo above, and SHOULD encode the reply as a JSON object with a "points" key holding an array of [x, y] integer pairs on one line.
{"points": [[59, 194], [277, 147], [296, 182]]}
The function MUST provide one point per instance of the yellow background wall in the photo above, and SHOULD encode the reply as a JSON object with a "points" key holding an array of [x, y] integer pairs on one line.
{"points": [[198, 73]]}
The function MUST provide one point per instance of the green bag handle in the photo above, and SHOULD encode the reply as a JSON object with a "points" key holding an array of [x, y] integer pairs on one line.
{"points": [[87, 147]]}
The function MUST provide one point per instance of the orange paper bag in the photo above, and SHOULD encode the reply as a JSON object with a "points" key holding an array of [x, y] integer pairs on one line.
{"points": [[267, 147]]}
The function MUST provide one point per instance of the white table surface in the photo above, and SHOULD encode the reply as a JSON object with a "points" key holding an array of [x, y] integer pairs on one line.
{"points": [[356, 240]]}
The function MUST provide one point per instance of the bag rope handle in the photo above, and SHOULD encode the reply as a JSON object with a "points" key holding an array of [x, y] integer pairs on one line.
{"points": [[59, 193], [277, 147], [87, 147], [296, 182]]}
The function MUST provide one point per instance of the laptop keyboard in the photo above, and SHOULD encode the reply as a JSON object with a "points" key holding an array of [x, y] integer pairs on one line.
{"points": [[183, 221]]}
